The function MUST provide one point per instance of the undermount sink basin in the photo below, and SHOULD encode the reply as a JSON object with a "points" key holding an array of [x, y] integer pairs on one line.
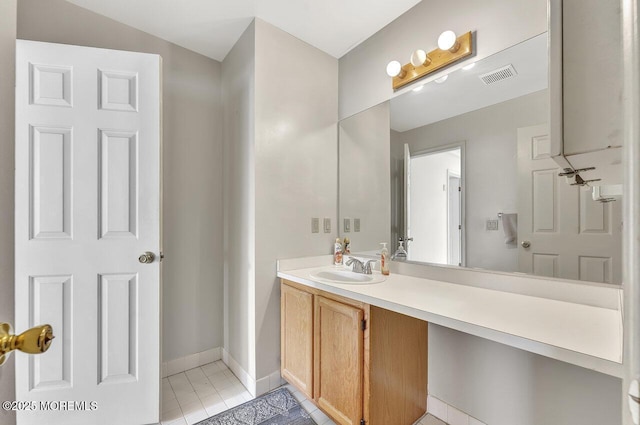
{"points": [[345, 276]]}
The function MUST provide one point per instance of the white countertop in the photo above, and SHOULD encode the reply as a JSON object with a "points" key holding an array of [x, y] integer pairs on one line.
{"points": [[585, 335]]}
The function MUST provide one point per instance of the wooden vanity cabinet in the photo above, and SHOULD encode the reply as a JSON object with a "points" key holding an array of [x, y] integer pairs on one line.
{"points": [[353, 361], [296, 330], [339, 360]]}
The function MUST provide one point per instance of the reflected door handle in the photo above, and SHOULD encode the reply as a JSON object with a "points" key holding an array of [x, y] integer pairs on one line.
{"points": [[147, 257], [525, 244]]}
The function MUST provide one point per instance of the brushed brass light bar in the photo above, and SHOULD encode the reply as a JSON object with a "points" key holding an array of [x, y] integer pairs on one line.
{"points": [[439, 59]]}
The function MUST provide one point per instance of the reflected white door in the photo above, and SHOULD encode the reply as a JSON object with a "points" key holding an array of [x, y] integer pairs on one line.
{"points": [[570, 236], [407, 197], [87, 206]]}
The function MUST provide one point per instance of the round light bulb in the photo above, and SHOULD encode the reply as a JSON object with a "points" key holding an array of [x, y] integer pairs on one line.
{"points": [[468, 67], [447, 40], [441, 79], [420, 58], [394, 68]]}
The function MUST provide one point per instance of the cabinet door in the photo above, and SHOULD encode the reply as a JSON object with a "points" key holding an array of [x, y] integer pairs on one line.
{"points": [[339, 362], [297, 338], [592, 80]]}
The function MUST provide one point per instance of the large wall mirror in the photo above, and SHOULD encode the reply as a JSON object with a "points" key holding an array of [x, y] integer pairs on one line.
{"points": [[459, 169]]}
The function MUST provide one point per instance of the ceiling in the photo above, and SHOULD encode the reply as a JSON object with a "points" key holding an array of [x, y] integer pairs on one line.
{"points": [[212, 27], [463, 91]]}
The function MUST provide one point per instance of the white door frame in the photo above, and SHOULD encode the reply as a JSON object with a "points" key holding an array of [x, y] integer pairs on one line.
{"points": [[463, 220]]}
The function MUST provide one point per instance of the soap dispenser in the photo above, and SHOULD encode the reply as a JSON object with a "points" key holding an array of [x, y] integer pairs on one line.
{"points": [[384, 259], [401, 253], [337, 253], [347, 246]]}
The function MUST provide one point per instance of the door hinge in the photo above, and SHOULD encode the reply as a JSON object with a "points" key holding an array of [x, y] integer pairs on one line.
{"points": [[459, 188], [363, 324], [361, 421], [459, 226]]}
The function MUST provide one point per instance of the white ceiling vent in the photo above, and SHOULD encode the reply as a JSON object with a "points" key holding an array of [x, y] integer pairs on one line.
{"points": [[499, 74]]}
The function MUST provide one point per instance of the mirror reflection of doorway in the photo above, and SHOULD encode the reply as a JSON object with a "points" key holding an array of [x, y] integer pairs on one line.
{"points": [[454, 223], [434, 206]]}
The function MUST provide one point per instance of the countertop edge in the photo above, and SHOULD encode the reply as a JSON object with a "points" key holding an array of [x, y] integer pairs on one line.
{"points": [[551, 351]]}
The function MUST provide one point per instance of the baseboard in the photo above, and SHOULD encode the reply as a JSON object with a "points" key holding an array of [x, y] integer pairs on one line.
{"points": [[448, 413], [255, 387], [269, 383], [191, 361], [244, 377]]}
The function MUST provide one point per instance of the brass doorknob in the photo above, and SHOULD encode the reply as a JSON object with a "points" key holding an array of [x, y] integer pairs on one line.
{"points": [[34, 341], [147, 257]]}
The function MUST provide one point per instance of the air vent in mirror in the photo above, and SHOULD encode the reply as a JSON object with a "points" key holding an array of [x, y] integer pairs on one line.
{"points": [[499, 74]]}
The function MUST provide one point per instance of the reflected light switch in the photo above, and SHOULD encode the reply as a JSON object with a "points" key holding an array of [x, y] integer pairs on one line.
{"points": [[327, 225], [492, 224], [347, 225], [356, 224], [315, 225]]}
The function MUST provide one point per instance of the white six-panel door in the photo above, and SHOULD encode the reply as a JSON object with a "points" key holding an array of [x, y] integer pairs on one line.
{"points": [[570, 235], [87, 206]]}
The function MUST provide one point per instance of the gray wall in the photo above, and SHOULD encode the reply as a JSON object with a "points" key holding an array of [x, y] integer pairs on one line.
{"points": [[498, 24], [296, 144], [364, 184], [501, 385], [491, 136], [7, 91], [238, 82], [192, 166], [280, 170]]}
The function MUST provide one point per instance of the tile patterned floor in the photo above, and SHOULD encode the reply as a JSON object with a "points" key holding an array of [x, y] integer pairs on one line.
{"points": [[430, 420], [199, 393], [194, 395]]}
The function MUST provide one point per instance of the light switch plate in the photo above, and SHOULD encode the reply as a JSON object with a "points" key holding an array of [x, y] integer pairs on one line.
{"points": [[315, 225], [492, 224], [356, 224], [347, 225], [327, 225]]}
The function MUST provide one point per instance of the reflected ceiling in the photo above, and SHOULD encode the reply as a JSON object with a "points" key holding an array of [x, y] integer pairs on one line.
{"points": [[463, 91]]}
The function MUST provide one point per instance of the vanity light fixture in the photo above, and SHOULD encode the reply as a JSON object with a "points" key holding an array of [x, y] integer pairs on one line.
{"points": [[420, 58], [448, 41], [450, 49], [394, 69]]}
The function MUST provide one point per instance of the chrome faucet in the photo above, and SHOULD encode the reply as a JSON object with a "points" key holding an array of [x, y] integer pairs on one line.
{"points": [[359, 266]]}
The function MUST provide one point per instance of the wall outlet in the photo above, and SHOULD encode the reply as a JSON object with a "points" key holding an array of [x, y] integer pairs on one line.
{"points": [[492, 224], [327, 225], [315, 225], [356, 224], [347, 225]]}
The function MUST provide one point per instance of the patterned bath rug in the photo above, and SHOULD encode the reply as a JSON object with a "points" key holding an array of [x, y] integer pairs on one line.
{"points": [[278, 407]]}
